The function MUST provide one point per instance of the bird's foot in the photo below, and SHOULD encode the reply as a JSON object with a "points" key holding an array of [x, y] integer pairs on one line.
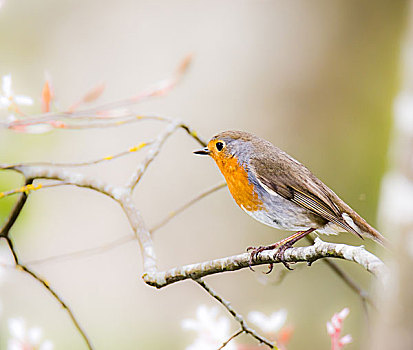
{"points": [[282, 246], [255, 251], [280, 255]]}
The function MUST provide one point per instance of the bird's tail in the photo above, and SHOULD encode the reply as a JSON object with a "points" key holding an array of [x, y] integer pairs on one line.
{"points": [[378, 237], [369, 231]]}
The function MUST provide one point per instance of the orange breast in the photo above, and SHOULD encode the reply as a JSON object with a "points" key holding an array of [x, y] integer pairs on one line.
{"points": [[239, 186]]}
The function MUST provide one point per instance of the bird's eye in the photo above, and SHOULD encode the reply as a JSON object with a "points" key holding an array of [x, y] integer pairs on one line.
{"points": [[219, 146]]}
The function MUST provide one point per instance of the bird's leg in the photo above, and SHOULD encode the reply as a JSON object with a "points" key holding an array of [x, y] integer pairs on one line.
{"points": [[288, 243], [281, 245]]}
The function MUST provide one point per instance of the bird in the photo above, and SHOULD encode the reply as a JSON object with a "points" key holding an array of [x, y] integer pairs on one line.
{"points": [[279, 191]]}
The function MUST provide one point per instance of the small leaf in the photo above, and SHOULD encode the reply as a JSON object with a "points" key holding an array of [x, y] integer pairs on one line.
{"points": [[93, 93], [46, 97], [184, 65]]}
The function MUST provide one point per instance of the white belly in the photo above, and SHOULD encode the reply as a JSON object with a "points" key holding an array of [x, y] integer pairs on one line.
{"points": [[281, 219], [292, 222]]}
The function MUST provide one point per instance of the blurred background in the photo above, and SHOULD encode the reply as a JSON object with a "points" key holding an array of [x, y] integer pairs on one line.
{"points": [[316, 78]]}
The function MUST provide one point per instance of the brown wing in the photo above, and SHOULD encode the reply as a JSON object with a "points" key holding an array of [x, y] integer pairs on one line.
{"points": [[315, 205], [293, 181]]}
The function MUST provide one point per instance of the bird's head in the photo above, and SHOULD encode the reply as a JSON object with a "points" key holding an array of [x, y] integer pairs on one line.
{"points": [[229, 144]]}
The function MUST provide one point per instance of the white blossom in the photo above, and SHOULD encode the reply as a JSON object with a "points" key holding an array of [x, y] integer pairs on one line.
{"points": [[343, 313], [347, 339], [212, 331], [26, 339], [268, 324], [330, 328], [8, 99]]}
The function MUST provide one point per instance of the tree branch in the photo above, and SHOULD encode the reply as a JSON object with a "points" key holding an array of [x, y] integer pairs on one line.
{"points": [[152, 153], [46, 285], [364, 296], [4, 232], [309, 254], [236, 334], [188, 204], [244, 327]]}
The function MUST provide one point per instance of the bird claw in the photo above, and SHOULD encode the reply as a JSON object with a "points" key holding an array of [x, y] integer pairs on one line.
{"points": [[279, 255], [253, 255], [282, 246], [270, 267], [254, 252]]}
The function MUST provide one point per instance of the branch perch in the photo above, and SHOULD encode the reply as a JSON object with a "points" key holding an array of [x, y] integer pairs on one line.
{"points": [[309, 254]]}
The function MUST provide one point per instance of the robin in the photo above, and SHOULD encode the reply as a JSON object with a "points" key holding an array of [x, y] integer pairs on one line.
{"points": [[279, 191]]}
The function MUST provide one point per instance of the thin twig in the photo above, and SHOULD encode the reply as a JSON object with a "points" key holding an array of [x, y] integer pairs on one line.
{"points": [[67, 178], [98, 113], [13, 251], [187, 205], [28, 188], [151, 154], [194, 134], [159, 89], [90, 162], [4, 232], [245, 328], [84, 252], [231, 338], [97, 122], [46, 285]]}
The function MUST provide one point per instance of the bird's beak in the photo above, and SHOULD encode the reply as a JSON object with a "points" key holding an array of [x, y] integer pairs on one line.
{"points": [[205, 151]]}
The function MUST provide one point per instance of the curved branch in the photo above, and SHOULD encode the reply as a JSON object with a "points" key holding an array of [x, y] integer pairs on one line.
{"points": [[244, 327], [152, 154], [363, 294], [309, 254], [53, 293], [4, 231]]}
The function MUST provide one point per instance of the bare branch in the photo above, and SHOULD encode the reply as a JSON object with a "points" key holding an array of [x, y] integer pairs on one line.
{"points": [[4, 232], [46, 285], [194, 134], [292, 255], [102, 112], [89, 162], [141, 232], [28, 188], [152, 154], [159, 89], [84, 252], [236, 334], [244, 327], [67, 177], [187, 205], [89, 121]]}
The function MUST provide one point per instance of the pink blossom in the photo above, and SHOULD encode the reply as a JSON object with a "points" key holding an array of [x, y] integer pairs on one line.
{"points": [[334, 328]]}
